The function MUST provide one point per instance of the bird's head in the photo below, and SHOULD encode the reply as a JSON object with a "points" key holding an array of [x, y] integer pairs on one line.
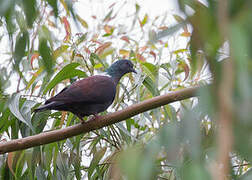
{"points": [[120, 67]]}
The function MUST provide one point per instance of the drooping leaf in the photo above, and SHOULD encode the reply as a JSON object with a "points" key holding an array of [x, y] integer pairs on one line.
{"points": [[33, 57], [96, 159], [30, 11], [20, 47], [54, 5], [144, 21], [101, 48], [82, 21], [125, 38], [67, 29], [24, 114], [46, 54], [108, 16], [150, 85], [81, 39], [59, 51]]}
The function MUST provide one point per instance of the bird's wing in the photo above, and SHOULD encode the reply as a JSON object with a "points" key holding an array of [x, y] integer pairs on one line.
{"points": [[94, 89]]}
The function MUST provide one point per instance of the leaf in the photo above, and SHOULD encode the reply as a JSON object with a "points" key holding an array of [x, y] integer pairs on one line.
{"points": [[59, 51], [144, 21], [185, 67], [108, 29], [125, 38], [54, 5], [50, 23], [140, 57], [124, 130], [10, 162], [178, 18], [21, 21], [46, 54], [67, 29], [153, 54], [82, 21], [185, 34], [137, 7], [35, 75], [82, 38], [180, 51], [124, 52], [33, 57], [30, 11], [19, 53], [167, 32], [67, 72], [150, 69], [65, 6], [107, 52], [101, 48], [98, 66], [63, 117], [108, 16], [96, 159], [150, 85], [14, 108]]}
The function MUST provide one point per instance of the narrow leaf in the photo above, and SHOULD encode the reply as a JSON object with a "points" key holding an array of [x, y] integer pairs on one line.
{"points": [[67, 72], [46, 53]]}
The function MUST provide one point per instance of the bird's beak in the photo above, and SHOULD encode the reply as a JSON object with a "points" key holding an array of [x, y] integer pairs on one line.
{"points": [[133, 70]]}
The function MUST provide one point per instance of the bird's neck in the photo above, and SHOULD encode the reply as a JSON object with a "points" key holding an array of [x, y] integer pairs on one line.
{"points": [[116, 79]]}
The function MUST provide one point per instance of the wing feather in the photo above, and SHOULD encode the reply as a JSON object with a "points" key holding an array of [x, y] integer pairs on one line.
{"points": [[94, 89]]}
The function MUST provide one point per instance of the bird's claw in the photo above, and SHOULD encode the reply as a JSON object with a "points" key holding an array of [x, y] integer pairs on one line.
{"points": [[95, 116]]}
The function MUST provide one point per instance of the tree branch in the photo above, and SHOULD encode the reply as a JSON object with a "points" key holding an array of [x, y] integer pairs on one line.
{"points": [[112, 118], [225, 92]]}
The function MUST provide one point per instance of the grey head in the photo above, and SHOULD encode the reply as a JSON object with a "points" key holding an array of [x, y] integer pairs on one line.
{"points": [[119, 68]]}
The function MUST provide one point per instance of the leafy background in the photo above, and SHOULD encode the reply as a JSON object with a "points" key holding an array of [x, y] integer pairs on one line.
{"points": [[51, 45]]}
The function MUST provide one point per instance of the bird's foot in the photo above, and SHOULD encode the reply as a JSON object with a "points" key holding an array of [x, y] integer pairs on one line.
{"points": [[95, 116]]}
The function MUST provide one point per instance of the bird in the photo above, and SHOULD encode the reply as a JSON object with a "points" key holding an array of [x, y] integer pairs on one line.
{"points": [[90, 95]]}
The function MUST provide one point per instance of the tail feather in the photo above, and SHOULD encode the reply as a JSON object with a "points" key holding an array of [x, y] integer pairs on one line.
{"points": [[48, 106]]}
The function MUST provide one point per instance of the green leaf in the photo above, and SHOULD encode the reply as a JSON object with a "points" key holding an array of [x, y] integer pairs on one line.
{"points": [[107, 17], [96, 159], [53, 4], [67, 72], [30, 11], [82, 21], [145, 20], [46, 54], [59, 51], [21, 21], [150, 69], [82, 38], [124, 130], [20, 46], [150, 85], [35, 75], [167, 32], [23, 115]]}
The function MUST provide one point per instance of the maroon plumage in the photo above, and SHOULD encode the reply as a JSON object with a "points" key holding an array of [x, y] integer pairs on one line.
{"points": [[91, 95]]}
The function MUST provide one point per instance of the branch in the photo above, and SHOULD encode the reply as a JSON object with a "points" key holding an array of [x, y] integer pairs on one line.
{"points": [[225, 110], [112, 118]]}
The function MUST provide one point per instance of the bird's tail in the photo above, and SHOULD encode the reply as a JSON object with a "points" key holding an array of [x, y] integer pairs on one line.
{"points": [[47, 106], [41, 108]]}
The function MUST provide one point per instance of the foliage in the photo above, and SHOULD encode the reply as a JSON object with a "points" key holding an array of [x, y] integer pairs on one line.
{"points": [[176, 141]]}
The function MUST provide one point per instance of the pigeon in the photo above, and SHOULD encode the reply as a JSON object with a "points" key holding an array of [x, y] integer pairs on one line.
{"points": [[90, 95]]}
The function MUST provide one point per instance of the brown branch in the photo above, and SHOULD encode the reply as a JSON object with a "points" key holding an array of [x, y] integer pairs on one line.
{"points": [[60, 134], [224, 90]]}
